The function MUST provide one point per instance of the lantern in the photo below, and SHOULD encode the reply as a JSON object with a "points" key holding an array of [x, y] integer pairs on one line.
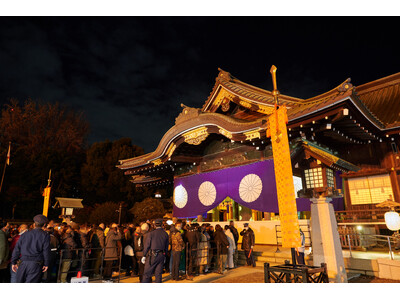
{"points": [[392, 220]]}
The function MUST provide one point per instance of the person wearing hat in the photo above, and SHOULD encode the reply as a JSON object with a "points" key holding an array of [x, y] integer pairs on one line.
{"points": [[248, 242], [33, 249], [154, 252]]}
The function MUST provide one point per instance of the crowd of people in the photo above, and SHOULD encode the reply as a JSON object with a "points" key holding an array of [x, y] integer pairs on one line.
{"points": [[46, 251]]}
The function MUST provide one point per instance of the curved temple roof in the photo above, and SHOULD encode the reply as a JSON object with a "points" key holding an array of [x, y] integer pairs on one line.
{"points": [[378, 101]]}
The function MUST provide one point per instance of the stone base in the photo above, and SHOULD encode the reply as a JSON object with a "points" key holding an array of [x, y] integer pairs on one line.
{"points": [[389, 269]]}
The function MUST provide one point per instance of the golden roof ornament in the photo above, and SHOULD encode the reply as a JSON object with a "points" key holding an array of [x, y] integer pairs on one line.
{"points": [[275, 93], [187, 113]]}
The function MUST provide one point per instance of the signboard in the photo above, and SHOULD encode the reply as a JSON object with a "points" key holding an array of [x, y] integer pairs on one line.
{"points": [[69, 211]]}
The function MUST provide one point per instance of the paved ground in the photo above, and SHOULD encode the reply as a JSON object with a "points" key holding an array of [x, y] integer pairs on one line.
{"points": [[247, 274]]}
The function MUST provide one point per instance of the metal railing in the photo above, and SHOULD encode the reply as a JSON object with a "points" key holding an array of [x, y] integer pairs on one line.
{"points": [[307, 235], [359, 241], [362, 214], [88, 261], [202, 257], [289, 273]]}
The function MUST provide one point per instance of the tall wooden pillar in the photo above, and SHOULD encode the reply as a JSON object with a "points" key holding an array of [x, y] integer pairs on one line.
{"points": [[393, 180], [346, 194]]}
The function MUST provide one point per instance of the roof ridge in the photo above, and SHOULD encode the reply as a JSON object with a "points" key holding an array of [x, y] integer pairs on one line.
{"points": [[378, 83], [224, 75], [343, 87]]}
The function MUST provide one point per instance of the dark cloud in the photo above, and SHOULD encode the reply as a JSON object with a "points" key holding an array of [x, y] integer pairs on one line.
{"points": [[129, 75]]}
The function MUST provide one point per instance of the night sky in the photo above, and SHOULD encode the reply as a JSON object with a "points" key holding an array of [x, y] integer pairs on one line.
{"points": [[129, 74]]}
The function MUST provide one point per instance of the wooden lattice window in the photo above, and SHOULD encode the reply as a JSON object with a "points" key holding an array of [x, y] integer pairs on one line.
{"points": [[370, 189]]}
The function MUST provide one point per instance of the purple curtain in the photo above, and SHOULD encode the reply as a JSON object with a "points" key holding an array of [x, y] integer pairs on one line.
{"points": [[251, 185]]}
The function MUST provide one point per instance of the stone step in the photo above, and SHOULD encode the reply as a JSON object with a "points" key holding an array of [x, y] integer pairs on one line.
{"points": [[243, 262]]}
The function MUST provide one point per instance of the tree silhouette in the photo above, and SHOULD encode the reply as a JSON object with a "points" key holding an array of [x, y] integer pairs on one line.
{"points": [[43, 136], [102, 181]]}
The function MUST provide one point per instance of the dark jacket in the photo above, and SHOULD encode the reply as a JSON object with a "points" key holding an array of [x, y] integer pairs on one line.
{"points": [[84, 240], [248, 238], [138, 244], [94, 241], [212, 242], [33, 245], [4, 250], [235, 233], [67, 243], [221, 240], [156, 240], [111, 251], [77, 239], [192, 237]]}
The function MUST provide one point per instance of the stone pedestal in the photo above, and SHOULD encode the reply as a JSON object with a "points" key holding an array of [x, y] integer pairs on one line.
{"points": [[325, 239]]}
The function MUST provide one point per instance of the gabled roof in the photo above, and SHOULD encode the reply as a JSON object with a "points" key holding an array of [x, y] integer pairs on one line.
{"points": [[319, 102], [245, 91], [328, 158], [378, 101], [382, 97]]}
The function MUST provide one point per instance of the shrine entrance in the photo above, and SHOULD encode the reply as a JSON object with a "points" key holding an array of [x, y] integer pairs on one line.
{"points": [[228, 210]]}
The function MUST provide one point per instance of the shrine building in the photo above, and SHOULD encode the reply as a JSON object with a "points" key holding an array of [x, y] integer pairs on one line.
{"points": [[344, 145]]}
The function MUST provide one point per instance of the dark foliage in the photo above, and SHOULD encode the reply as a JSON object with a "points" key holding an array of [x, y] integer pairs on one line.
{"points": [[149, 208]]}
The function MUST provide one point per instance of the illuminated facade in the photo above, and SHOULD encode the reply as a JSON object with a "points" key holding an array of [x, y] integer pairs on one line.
{"points": [[343, 143]]}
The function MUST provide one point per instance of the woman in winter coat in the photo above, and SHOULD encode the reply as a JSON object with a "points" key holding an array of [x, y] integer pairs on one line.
{"points": [[223, 244], [231, 248], [67, 244], [202, 252], [111, 250]]}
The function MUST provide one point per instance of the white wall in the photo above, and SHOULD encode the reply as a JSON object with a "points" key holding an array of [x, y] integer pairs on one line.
{"points": [[264, 231]]}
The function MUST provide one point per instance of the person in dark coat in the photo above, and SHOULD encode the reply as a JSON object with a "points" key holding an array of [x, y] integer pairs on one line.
{"points": [[222, 242], [154, 252], [54, 246], [138, 243], [192, 238], [111, 250], [97, 242], [128, 255], [83, 254], [67, 253], [34, 249], [236, 238], [248, 242], [212, 252], [22, 229]]}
